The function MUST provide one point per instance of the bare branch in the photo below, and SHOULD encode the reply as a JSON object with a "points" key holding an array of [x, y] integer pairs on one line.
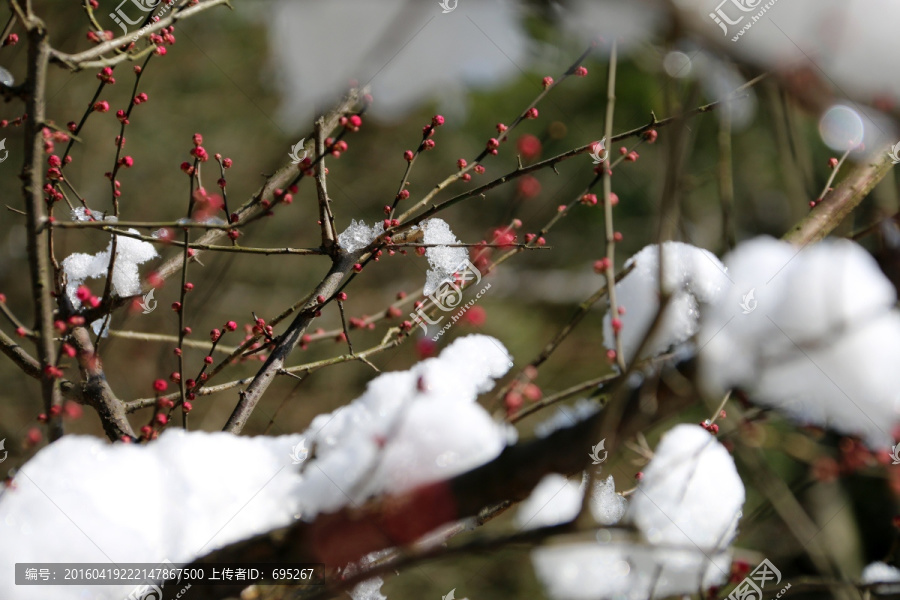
{"points": [[86, 59], [38, 239], [834, 207]]}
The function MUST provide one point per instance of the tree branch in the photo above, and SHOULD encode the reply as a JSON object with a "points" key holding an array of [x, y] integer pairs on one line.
{"points": [[835, 207], [341, 267], [37, 238]]}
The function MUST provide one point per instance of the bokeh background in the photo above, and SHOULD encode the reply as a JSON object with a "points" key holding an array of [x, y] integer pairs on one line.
{"points": [[251, 80]]}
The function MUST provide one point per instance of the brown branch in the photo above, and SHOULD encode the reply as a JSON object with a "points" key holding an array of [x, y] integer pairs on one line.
{"points": [[502, 137], [96, 390], [561, 335], [305, 368], [610, 270], [38, 239], [552, 161], [835, 207], [214, 248], [341, 267], [280, 179], [19, 356], [326, 218], [85, 60], [6, 312]]}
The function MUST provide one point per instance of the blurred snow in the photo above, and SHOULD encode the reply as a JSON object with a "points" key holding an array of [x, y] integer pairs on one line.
{"points": [[370, 589], [82, 499], [843, 43], [694, 277], [557, 500], [412, 54], [690, 495], [879, 572], [630, 22], [566, 416], [607, 506], [409, 52], [686, 509], [821, 339]]}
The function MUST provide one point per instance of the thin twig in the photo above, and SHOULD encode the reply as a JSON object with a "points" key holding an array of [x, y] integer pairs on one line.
{"points": [[608, 213]]}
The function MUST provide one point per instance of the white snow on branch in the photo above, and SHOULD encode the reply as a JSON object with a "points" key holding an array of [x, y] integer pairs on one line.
{"points": [[80, 213], [126, 281], [879, 572], [607, 507], [693, 276], [811, 332], [428, 415], [370, 589], [359, 235], [555, 500], [443, 260], [82, 499], [691, 495], [686, 510]]}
